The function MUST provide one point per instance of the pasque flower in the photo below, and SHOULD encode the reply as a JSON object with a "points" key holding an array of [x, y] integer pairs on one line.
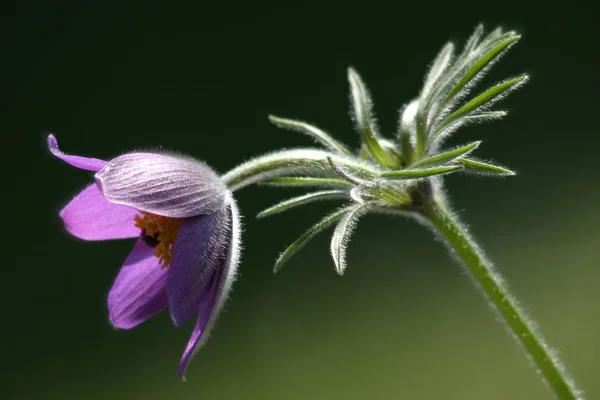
{"points": [[188, 236], [187, 224]]}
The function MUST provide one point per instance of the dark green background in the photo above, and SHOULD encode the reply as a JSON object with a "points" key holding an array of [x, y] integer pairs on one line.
{"points": [[404, 322]]}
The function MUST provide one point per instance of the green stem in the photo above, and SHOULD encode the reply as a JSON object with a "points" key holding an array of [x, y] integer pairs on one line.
{"points": [[461, 244], [285, 162]]}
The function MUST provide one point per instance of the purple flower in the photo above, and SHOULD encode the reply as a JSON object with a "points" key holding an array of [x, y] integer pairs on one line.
{"points": [[188, 230]]}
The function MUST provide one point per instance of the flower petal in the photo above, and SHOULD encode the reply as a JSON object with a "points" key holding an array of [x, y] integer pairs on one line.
{"points": [[206, 309], [89, 164], [215, 300], [199, 252], [139, 290], [171, 186], [90, 216]]}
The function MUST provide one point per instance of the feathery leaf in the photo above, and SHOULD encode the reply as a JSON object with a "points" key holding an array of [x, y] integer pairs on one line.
{"points": [[301, 200], [473, 41], [480, 167], [320, 136], [439, 66], [365, 124], [482, 116], [349, 175], [442, 95], [447, 156], [342, 233], [420, 173], [407, 129], [485, 99], [308, 235], [478, 66]]}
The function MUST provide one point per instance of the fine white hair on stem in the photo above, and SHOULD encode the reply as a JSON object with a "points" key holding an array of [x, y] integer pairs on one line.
{"points": [[290, 162], [462, 247]]}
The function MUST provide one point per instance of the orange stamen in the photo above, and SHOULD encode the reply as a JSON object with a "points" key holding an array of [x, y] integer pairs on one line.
{"points": [[166, 228]]}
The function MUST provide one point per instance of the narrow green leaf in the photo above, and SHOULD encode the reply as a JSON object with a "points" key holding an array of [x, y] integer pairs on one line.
{"points": [[494, 37], [476, 44], [361, 106], [369, 183], [483, 99], [341, 236], [420, 173], [448, 156], [363, 153], [421, 129], [406, 130], [486, 115], [301, 200], [305, 181], [473, 41], [478, 117], [308, 235], [485, 168], [468, 66], [388, 146], [481, 63], [459, 67], [349, 175], [320, 136], [439, 66]]}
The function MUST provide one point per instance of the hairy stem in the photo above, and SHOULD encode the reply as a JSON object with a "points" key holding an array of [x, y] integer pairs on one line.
{"points": [[462, 245], [286, 162]]}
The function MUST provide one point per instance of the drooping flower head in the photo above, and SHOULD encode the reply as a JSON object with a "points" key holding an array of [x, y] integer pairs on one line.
{"points": [[188, 236]]}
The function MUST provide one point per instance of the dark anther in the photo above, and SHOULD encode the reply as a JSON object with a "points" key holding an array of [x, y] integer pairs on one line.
{"points": [[150, 240]]}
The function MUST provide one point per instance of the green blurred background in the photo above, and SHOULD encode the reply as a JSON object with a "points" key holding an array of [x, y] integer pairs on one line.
{"points": [[404, 322]]}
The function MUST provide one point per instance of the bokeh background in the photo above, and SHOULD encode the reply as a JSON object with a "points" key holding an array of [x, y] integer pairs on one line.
{"points": [[405, 321]]}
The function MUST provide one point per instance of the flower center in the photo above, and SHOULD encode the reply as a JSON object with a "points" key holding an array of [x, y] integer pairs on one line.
{"points": [[159, 233]]}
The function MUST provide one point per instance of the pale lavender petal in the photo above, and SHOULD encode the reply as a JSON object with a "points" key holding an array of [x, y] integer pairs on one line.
{"points": [[215, 300], [90, 216], [89, 164], [199, 252], [167, 185], [139, 290]]}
